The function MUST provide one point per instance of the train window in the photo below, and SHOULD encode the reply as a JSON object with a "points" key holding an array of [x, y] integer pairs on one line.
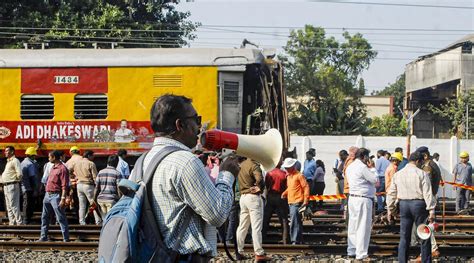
{"points": [[37, 106], [231, 92], [90, 106]]}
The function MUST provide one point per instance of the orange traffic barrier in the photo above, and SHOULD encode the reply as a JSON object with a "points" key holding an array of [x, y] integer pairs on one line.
{"points": [[463, 186], [333, 197]]}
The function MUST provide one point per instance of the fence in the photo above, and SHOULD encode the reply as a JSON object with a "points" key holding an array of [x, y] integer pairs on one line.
{"points": [[328, 147]]}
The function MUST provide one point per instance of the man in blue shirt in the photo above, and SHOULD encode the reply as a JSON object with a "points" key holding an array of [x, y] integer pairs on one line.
{"points": [[309, 167], [463, 175], [308, 171], [404, 161], [29, 185], [122, 166], [381, 165]]}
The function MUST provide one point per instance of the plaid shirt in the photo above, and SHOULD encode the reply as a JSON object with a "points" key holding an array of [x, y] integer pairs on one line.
{"points": [[181, 188]]}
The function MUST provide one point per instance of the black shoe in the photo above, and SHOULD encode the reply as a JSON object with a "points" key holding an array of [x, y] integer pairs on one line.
{"points": [[239, 256]]}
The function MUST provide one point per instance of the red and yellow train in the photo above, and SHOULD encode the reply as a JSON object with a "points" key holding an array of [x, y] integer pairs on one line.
{"points": [[100, 99]]}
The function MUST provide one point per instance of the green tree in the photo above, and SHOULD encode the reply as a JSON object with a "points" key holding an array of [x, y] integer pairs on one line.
{"points": [[397, 90], [388, 125], [454, 110], [81, 23], [323, 78]]}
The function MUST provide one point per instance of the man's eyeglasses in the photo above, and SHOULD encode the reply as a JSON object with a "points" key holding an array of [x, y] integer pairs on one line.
{"points": [[197, 118]]}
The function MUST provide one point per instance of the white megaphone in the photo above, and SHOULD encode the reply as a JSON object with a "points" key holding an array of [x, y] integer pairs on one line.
{"points": [[265, 149], [425, 231]]}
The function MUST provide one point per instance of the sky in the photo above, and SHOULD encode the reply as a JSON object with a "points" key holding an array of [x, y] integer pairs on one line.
{"points": [[400, 31]]}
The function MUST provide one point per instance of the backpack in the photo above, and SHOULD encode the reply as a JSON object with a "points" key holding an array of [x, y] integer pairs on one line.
{"points": [[130, 232]]}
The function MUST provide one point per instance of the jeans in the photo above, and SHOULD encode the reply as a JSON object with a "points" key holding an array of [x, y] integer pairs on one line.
{"points": [[462, 199], [12, 202], [50, 206], [381, 198], [28, 206], [412, 211], [279, 206], [296, 224], [251, 214], [85, 193]]}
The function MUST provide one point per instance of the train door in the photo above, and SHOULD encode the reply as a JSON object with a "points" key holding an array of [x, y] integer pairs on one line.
{"points": [[230, 101]]}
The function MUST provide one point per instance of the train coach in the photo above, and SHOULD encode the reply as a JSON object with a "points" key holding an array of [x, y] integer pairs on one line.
{"points": [[100, 99]]}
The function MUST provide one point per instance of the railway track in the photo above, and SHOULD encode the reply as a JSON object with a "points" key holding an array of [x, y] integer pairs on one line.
{"points": [[92, 233], [323, 234], [329, 249]]}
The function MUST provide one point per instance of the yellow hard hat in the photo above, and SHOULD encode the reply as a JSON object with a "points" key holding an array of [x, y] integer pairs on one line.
{"points": [[464, 155], [30, 151], [74, 148], [398, 156]]}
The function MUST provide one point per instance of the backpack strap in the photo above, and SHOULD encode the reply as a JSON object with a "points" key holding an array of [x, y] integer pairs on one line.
{"points": [[147, 179]]}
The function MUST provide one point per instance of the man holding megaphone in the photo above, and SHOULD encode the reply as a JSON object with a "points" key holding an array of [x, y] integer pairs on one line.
{"points": [[411, 187]]}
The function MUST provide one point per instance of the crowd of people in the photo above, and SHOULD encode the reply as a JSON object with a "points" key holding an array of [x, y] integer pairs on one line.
{"points": [[410, 187], [205, 191], [74, 184]]}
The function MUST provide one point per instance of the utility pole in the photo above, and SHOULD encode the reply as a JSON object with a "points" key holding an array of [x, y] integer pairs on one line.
{"points": [[467, 120], [409, 119]]}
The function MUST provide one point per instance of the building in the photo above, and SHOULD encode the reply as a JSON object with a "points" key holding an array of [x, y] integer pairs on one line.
{"points": [[377, 106], [433, 78]]}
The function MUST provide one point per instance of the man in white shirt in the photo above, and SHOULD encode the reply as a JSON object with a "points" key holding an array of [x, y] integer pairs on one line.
{"points": [[11, 178], [411, 186], [124, 134], [362, 179]]}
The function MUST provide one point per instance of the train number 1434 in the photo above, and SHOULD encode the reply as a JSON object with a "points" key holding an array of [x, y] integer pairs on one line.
{"points": [[66, 79]]}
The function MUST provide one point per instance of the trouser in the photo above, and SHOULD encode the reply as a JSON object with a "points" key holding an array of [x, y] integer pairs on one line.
{"points": [[381, 198], [319, 190], [360, 225], [340, 186], [345, 202], [230, 227], [251, 214], [85, 194], [279, 206], [50, 206], [340, 191], [296, 224], [28, 206], [412, 211], [12, 202], [105, 207], [462, 198]]}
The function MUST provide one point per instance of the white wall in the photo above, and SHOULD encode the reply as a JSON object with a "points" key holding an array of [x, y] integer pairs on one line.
{"points": [[328, 147]]}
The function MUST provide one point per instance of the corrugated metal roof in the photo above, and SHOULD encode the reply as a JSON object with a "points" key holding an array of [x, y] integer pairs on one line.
{"points": [[458, 43], [14, 58], [468, 38]]}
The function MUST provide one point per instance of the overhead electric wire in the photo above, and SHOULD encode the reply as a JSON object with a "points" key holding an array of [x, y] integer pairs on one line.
{"points": [[151, 41], [392, 4], [334, 28], [163, 39], [224, 27]]}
